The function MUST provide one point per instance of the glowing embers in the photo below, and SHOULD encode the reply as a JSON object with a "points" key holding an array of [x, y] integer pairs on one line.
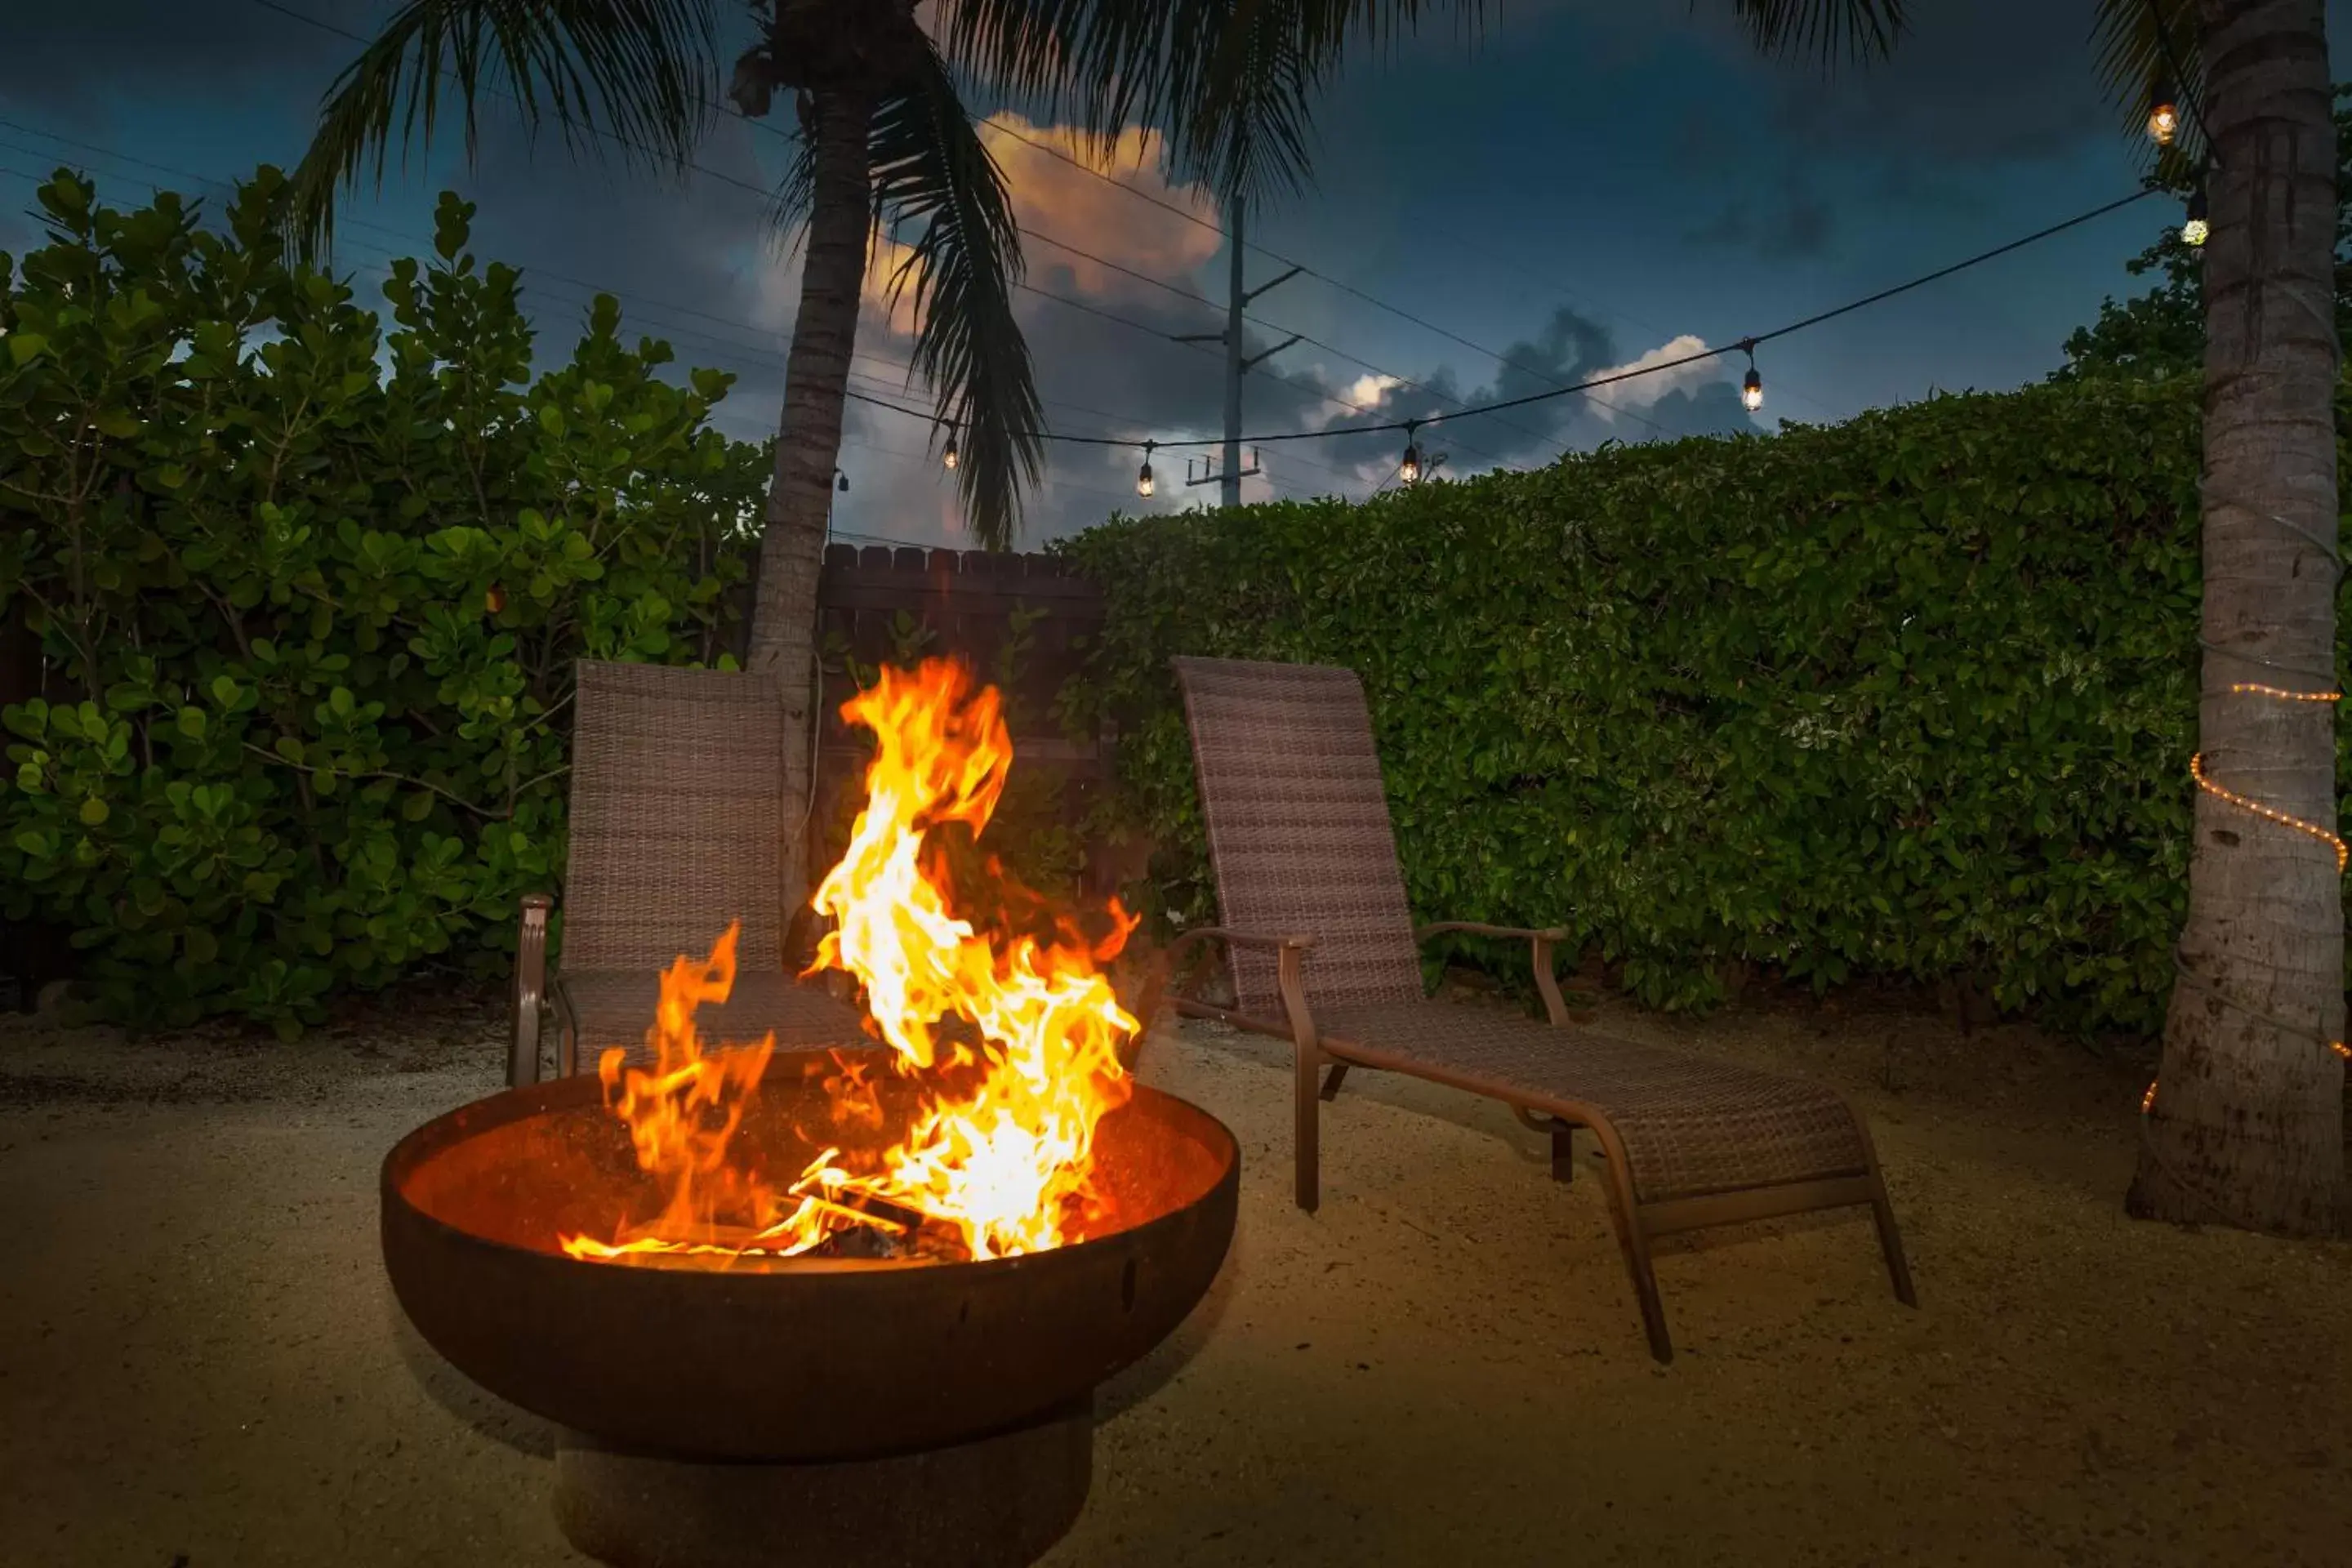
{"points": [[1004, 1036]]}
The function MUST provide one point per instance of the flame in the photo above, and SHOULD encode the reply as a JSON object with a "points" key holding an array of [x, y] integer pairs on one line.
{"points": [[1011, 1032]]}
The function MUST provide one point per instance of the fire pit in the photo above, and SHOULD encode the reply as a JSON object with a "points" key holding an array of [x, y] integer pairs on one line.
{"points": [[863, 1391], [846, 1307]]}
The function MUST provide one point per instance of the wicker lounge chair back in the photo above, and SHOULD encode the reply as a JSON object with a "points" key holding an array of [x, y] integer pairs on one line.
{"points": [[1298, 830], [677, 821]]}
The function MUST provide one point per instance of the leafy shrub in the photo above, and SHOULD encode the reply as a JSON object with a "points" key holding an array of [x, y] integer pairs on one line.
{"points": [[317, 591], [1911, 697]]}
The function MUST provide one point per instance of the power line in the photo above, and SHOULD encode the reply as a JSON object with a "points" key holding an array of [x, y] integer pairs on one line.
{"points": [[1583, 297], [1743, 345], [1321, 393], [1582, 387], [323, 25], [729, 348], [1272, 255], [1198, 298], [1747, 344], [594, 288], [1024, 286]]}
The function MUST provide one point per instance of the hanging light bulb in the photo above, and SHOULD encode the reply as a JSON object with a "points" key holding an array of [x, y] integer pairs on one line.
{"points": [[1143, 482], [2163, 116], [1408, 466], [1752, 388], [947, 457], [2196, 230]]}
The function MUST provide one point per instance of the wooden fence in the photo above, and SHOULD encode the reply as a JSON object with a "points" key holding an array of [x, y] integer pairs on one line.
{"points": [[1022, 622]]}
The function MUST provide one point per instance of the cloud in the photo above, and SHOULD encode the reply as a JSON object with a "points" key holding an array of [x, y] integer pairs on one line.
{"points": [[1796, 225], [1052, 198], [694, 261], [1125, 383], [1643, 390], [1570, 349], [1711, 408]]}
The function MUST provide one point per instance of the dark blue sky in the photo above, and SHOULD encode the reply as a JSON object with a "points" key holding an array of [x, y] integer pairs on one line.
{"points": [[1588, 184]]}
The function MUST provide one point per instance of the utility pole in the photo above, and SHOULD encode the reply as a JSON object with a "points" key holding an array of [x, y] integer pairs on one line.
{"points": [[1237, 364]]}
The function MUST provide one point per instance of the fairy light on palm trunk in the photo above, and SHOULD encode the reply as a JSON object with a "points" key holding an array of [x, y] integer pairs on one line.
{"points": [[2271, 814]]}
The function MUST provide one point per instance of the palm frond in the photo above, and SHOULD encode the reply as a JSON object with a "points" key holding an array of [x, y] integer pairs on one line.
{"points": [[1230, 82], [931, 170], [788, 211], [634, 73], [1835, 29], [1250, 96]]}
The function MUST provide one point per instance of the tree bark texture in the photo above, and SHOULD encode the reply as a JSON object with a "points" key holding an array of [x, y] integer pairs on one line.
{"points": [[783, 645], [2246, 1125]]}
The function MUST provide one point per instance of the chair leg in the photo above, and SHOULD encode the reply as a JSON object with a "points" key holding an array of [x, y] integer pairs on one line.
{"points": [[1563, 1151], [1306, 1129], [1635, 1245], [1333, 1079], [1890, 1241]]}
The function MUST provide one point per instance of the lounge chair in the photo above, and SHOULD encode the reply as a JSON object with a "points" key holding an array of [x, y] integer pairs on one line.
{"points": [[1323, 953], [677, 828]]}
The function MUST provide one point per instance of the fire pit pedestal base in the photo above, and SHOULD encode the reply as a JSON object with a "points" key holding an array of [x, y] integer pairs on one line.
{"points": [[997, 1502]]}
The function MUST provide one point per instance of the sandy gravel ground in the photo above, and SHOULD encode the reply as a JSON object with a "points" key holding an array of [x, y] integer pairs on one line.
{"points": [[201, 1364]]}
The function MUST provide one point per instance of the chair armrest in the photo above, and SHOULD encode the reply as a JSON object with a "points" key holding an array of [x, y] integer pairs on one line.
{"points": [[530, 990], [1540, 942], [1474, 928], [1289, 952], [1236, 939]]}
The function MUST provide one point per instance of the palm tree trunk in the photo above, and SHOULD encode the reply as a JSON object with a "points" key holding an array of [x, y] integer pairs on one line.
{"points": [[783, 644], [2247, 1125]]}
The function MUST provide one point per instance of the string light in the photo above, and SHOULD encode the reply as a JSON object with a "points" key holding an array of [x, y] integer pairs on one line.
{"points": [[1751, 394], [2248, 686], [2165, 104], [2163, 116], [1408, 466], [948, 456], [2196, 229], [2268, 814], [1143, 482]]}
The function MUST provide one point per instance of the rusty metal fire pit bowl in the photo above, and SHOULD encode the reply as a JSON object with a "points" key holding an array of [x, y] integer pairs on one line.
{"points": [[843, 1413]]}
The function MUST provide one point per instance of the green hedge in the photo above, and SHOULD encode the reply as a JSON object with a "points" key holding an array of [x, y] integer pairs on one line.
{"points": [[316, 590], [1909, 697]]}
